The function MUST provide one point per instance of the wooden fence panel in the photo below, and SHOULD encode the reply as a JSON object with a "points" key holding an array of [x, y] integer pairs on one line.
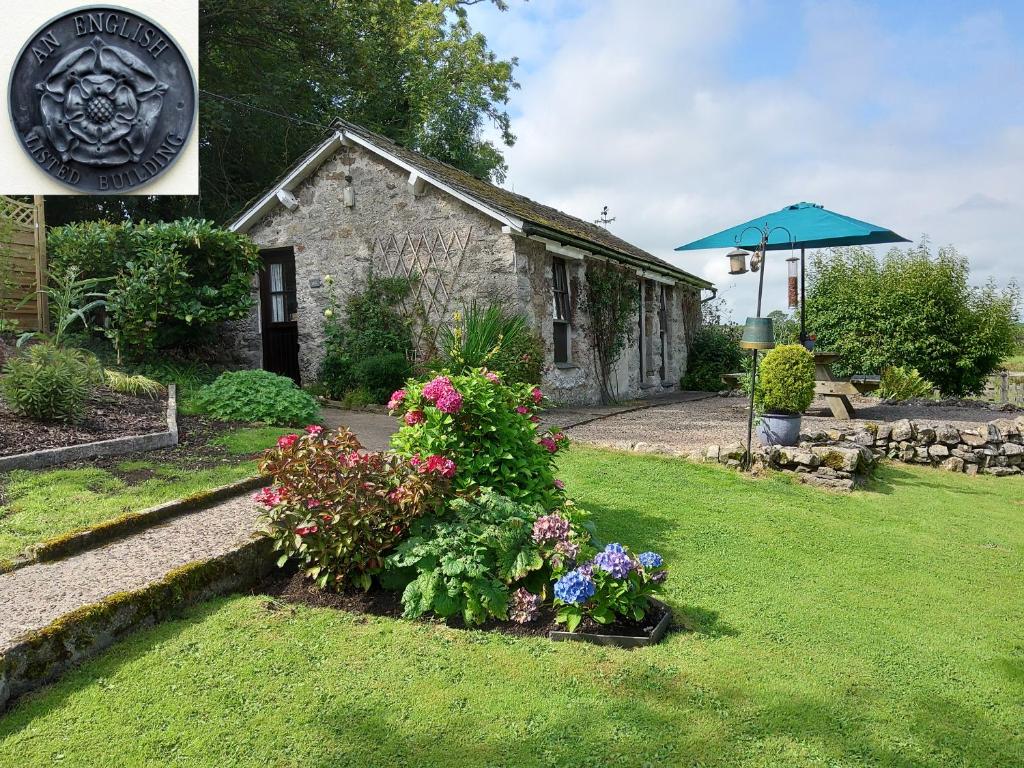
{"points": [[23, 261]]}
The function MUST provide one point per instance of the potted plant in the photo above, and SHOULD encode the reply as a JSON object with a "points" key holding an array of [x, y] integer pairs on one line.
{"points": [[785, 389]]}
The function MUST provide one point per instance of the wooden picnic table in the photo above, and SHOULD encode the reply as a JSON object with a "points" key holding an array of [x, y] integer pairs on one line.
{"points": [[836, 392]]}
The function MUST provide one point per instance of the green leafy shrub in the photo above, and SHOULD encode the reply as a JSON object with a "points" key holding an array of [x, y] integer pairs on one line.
{"points": [[336, 510], [371, 325], [488, 427], [492, 338], [135, 385], [715, 350], [464, 561], [256, 396], [167, 282], [381, 375], [785, 380], [903, 384], [48, 383], [910, 309]]}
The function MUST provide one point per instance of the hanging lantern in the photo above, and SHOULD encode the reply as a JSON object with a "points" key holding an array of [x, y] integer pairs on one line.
{"points": [[792, 263], [737, 261]]}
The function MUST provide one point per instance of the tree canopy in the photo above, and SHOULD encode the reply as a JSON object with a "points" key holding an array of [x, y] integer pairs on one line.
{"points": [[274, 73], [913, 309]]}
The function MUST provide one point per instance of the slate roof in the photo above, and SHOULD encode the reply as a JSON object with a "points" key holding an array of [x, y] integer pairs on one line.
{"points": [[540, 219]]}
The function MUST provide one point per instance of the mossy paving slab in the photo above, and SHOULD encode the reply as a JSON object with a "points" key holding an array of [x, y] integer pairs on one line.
{"points": [[37, 595]]}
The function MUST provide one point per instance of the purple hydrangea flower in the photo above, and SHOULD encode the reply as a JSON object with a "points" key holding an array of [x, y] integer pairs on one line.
{"points": [[568, 548], [618, 564], [618, 548], [574, 588], [650, 560], [524, 606]]}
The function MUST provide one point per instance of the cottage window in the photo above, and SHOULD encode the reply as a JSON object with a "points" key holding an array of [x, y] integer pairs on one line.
{"points": [[560, 311], [663, 330]]}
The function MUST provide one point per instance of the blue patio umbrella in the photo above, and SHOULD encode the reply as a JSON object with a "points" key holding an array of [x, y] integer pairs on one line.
{"points": [[801, 225]]}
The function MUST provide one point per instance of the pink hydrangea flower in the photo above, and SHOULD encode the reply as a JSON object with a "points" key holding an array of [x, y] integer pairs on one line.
{"points": [[312, 503], [568, 548], [449, 401], [314, 429], [559, 484], [438, 464], [522, 410], [492, 377], [537, 395], [437, 387], [397, 398], [535, 419], [523, 606], [412, 418], [548, 443], [550, 528], [287, 441]]}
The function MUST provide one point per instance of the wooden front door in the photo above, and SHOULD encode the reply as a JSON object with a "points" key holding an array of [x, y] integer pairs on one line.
{"points": [[279, 314]]}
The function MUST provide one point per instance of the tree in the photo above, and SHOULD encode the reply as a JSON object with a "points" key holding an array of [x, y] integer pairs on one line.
{"points": [[274, 73], [911, 309]]}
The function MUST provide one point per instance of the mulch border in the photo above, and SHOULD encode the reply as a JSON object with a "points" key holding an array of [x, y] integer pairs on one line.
{"points": [[114, 447]]}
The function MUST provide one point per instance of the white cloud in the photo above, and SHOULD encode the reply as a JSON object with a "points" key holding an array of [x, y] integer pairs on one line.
{"points": [[637, 106]]}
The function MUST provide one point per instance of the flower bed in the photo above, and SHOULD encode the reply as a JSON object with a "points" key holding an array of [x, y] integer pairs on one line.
{"points": [[465, 522], [108, 415]]}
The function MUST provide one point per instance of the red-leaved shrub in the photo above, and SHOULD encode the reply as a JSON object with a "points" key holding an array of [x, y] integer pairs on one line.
{"points": [[337, 510]]}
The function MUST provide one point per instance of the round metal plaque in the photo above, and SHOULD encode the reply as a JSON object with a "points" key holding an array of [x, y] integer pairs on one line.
{"points": [[102, 99]]}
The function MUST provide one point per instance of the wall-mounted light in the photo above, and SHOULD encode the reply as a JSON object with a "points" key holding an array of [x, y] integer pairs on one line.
{"points": [[348, 196]]}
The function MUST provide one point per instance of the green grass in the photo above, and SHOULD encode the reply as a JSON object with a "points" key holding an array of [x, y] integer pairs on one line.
{"points": [[881, 628], [1014, 363], [43, 504]]}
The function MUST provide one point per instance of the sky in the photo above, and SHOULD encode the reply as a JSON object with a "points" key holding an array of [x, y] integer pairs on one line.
{"points": [[687, 117]]}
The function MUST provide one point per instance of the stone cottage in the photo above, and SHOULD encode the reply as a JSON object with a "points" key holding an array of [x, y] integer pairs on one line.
{"points": [[360, 204]]}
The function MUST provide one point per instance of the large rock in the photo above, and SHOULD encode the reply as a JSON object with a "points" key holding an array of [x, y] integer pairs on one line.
{"points": [[974, 438], [884, 433], [843, 458], [732, 452], [712, 453], [992, 432], [947, 434], [938, 451], [1002, 471], [831, 483], [1012, 449], [953, 464], [902, 430], [925, 433], [1008, 429], [798, 457]]}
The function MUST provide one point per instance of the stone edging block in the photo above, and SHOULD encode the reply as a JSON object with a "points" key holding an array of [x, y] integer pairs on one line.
{"points": [[114, 447], [43, 656], [86, 538]]}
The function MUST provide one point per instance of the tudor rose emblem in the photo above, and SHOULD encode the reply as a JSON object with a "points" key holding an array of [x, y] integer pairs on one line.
{"points": [[102, 99]]}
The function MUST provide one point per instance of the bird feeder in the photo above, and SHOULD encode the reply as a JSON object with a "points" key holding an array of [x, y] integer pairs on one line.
{"points": [[793, 263], [737, 261]]}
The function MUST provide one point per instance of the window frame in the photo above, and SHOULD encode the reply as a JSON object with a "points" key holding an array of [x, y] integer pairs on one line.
{"points": [[561, 311]]}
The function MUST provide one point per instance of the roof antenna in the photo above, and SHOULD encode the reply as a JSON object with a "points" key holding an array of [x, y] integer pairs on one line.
{"points": [[604, 221]]}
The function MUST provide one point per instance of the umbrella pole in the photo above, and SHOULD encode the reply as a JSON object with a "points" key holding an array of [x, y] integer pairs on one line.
{"points": [[803, 296]]}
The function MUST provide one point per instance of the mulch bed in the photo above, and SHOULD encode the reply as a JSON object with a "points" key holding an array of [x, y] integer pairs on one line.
{"points": [[293, 588], [107, 415]]}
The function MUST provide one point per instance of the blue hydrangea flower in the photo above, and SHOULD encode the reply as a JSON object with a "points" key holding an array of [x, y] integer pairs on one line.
{"points": [[574, 588], [650, 560], [617, 564], [615, 548]]}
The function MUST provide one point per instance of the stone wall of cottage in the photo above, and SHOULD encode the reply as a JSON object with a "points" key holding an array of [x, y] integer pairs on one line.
{"points": [[459, 254]]}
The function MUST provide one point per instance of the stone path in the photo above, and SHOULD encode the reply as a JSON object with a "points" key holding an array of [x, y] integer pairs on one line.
{"points": [[34, 596]]}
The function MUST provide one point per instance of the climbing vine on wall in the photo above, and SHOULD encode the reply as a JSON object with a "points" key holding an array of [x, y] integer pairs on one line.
{"points": [[611, 301]]}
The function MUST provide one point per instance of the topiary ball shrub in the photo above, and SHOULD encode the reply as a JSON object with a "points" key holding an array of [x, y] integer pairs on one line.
{"points": [[257, 396], [489, 428], [48, 383], [785, 380]]}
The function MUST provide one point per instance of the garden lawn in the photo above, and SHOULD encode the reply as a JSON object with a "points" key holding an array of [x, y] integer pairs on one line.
{"points": [[881, 628], [37, 505]]}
